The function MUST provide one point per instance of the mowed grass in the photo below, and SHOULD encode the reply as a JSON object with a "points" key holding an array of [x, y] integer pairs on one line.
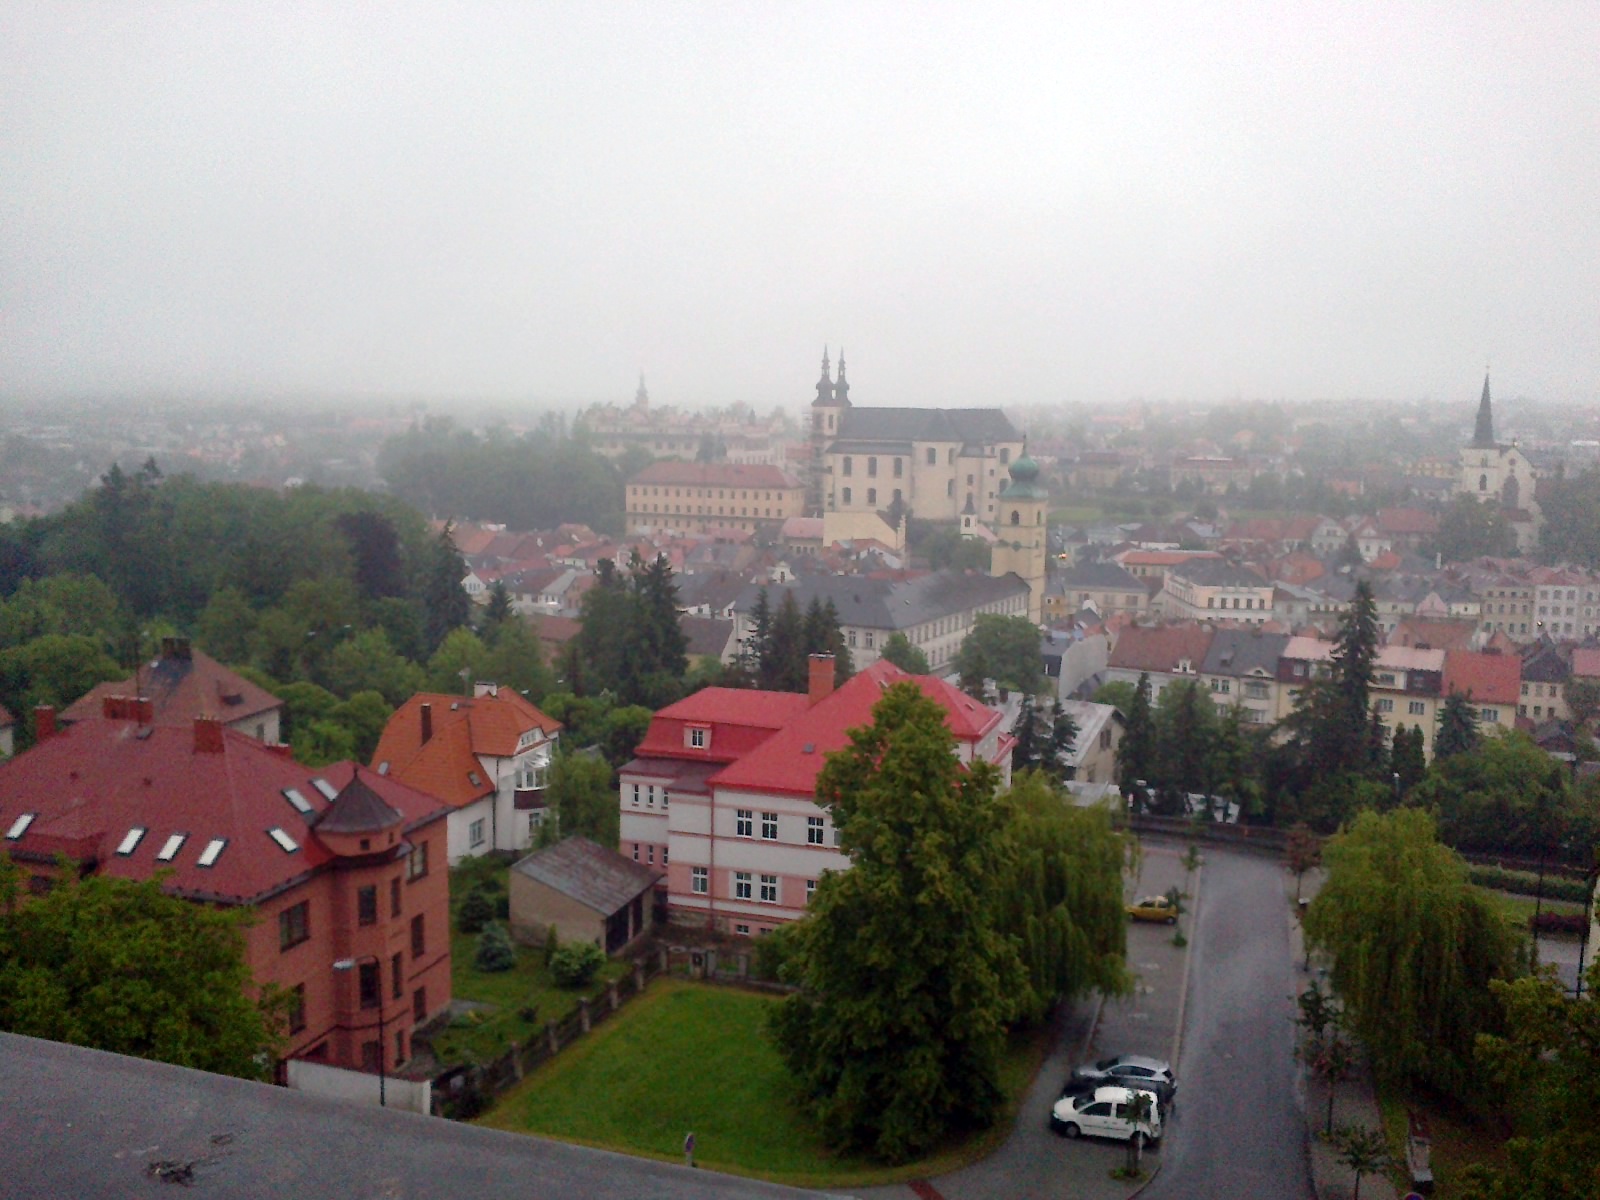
{"points": [[1520, 908], [696, 1057]]}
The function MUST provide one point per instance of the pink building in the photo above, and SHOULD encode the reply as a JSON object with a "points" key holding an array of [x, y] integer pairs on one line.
{"points": [[720, 791]]}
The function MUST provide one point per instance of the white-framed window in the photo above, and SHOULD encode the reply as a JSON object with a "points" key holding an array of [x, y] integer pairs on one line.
{"points": [[636, 852], [745, 929], [769, 889], [699, 880], [1385, 705], [663, 856], [811, 889], [870, 637], [650, 796], [636, 795], [835, 835], [814, 828], [650, 855], [741, 885], [663, 795], [699, 739], [1492, 715], [1416, 707], [744, 822], [475, 832], [769, 827]]}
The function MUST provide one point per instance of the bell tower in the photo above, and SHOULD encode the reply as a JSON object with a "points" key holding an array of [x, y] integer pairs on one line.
{"points": [[827, 416], [1020, 526]]}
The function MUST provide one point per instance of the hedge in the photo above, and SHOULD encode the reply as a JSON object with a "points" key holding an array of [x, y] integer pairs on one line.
{"points": [[1526, 883]]}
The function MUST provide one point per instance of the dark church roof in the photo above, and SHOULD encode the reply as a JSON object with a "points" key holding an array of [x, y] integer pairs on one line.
{"points": [[1483, 432], [967, 425]]}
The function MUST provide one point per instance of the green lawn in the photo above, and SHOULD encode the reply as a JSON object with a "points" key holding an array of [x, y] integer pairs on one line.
{"points": [[695, 1057], [1519, 908], [1458, 1141], [516, 994]]}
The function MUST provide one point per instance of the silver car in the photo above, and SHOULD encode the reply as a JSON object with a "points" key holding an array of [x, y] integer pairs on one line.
{"points": [[1130, 1070]]}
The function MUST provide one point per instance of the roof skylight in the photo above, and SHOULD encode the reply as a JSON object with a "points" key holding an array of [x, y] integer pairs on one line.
{"points": [[293, 796], [285, 842], [130, 840], [20, 826], [170, 847], [208, 856], [326, 788]]}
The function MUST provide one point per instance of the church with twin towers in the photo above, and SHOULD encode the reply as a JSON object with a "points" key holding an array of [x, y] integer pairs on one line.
{"points": [[965, 466]]}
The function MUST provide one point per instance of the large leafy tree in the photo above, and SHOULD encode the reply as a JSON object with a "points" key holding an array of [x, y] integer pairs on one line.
{"points": [[1505, 795], [1414, 947], [1547, 1067], [1004, 649], [122, 966], [907, 979], [581, 793], [1469, 529], [910, 659]]}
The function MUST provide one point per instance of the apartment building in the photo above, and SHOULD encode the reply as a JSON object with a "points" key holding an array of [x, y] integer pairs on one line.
{"points": [[1217, 590], [720, 792], [698, 497], [338, 863]]}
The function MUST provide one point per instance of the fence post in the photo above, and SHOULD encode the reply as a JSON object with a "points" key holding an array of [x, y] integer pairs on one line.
{"points": [[583, 1013], [550, 1032], [638, 975], [661, 959], [611, 994], [516, 1061]]}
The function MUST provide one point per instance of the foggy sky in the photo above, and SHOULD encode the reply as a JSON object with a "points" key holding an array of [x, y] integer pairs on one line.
{"points": [[1054, 204]]}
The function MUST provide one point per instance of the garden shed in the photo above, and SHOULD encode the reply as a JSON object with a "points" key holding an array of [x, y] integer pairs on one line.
{"points": [[589, 893]]}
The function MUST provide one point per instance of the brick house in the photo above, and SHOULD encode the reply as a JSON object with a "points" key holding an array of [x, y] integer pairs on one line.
{"points": [[487, 757], [337, 862], [720, 791]]}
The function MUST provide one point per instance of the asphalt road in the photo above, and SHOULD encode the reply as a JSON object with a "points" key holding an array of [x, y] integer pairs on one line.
{"points": [[1240, 1129]]}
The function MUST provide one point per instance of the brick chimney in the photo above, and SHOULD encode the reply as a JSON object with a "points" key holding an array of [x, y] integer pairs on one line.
{"points": [[427, 723], [44, 722], [207, 735], [821, 677]]}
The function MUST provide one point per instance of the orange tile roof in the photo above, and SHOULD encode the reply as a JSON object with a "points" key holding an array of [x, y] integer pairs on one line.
{"points": [[1487, 678], [446, 765]]}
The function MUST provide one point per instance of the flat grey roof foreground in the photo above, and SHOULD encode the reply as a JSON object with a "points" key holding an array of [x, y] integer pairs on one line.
{"points": [[87, 1124]]}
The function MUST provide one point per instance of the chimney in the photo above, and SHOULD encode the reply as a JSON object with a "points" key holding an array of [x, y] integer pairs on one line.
{"points": [[207, 735], [44, 722], [427, 724], [144, 710], [821, 677], [113, 708]]}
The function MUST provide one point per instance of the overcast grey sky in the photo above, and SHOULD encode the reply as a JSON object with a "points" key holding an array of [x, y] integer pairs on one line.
{"points": [[1062, 202]]}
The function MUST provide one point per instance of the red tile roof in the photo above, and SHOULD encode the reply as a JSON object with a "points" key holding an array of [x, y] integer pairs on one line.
{"points": [[182, 686], [743, 475], [789, 760], [1160, 648], [92, 783], [1586, 663], [1404, 522], [1488, 678], [445, 765]]}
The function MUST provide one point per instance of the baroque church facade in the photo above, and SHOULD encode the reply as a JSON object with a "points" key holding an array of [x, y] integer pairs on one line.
{"points": [[1498, 473], [932, 463]]}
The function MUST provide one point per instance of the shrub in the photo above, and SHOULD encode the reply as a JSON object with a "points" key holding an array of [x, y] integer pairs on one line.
{"points": [[494, 951], [502, 908], [476, 911], [1550, 922], [575, 965], [1526, 883], [552, 943]]}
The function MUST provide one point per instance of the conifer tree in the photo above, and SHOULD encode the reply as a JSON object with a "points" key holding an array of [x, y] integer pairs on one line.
{"points": [[1458, 728], [1136, 755]]}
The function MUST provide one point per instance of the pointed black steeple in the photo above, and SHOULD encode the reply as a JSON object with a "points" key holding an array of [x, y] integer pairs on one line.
{"points": [[841, 390], [825, 384], [1483, 434]]}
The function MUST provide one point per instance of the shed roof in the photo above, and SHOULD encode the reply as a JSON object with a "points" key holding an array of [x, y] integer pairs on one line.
{"points": [[595, 877]]}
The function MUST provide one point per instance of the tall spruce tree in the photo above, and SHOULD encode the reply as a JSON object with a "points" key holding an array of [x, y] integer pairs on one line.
{"points": [[1458, 728], [783, 666], [1136, 756]]}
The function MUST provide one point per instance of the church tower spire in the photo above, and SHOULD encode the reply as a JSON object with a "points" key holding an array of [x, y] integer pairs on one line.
{"points": [[1483, 433], [825, 384], [841, 390]]}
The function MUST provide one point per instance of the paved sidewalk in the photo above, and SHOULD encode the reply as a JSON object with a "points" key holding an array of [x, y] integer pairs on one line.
{"points": [[1354, 1100]]}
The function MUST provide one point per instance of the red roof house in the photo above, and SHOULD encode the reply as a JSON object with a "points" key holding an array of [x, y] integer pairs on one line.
{"points": [[720, 791], [485, 756], [180, 686], [337, 862]]}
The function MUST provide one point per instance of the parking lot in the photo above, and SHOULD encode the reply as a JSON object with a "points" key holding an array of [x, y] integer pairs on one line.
{"points": [[1035, 1162]]}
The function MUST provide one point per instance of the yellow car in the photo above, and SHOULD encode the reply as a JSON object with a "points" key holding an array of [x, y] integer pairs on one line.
{"points": [[1153, 908]]}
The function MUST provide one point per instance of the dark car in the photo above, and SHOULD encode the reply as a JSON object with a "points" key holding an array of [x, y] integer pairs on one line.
{"points": [[1129, 1070]]}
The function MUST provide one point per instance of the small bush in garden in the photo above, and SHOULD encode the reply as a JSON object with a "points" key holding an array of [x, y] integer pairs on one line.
{"points": [[552, 943], [575, 965], [494, 951], [502, 908], [476, 911], [1550, 922]]}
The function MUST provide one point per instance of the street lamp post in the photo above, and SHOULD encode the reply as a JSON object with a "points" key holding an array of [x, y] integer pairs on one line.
{"points": [[350, 964]]}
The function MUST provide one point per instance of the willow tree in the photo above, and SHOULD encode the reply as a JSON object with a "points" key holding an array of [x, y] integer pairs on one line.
{"points": [[1062, 896], [1414, 947], [907, 981]]}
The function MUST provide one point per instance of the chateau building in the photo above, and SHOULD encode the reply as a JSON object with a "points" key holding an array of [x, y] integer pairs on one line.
{"points": [[934, 463], [695, 497]]}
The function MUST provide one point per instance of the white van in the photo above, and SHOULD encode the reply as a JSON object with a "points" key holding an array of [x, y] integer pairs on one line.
{"points": [[1104, 1113]]}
